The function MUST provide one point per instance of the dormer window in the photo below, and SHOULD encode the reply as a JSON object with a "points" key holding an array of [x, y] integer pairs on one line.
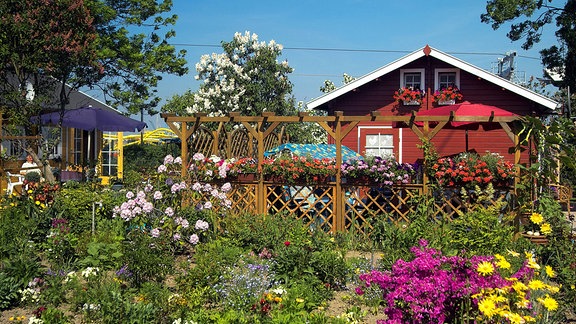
{"points": [[412, 78]]}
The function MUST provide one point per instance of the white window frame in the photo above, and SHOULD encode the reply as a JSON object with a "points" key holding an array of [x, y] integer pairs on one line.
{"points": [[445, 70], [375, 131], [406, 71]]}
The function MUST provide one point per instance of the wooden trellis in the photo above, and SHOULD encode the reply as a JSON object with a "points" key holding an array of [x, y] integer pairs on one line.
{"points": [[336, 207]]}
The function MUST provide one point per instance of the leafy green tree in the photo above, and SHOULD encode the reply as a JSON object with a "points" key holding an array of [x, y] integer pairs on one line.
{"points": [[534, 16], [118, 46]]}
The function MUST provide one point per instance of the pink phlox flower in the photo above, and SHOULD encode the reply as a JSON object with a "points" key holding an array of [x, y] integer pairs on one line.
{"points": [[201, 225], [197, 186], [198, 157], [214, 193], [141, 195], [148, 188], [169, 211], [178, 160], [129, 195], [194, 239], [207, 187], [169, 159], [157, 195], [155, 232], [162, 168], [226, 187], [207, 205], [147, 207], [176, 237]]}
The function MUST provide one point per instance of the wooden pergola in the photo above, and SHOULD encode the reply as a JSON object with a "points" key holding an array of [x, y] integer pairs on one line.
{"points": [[337, 126]]}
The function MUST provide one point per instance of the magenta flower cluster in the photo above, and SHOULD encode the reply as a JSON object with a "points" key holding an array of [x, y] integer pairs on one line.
{"points": [[431, 288]]}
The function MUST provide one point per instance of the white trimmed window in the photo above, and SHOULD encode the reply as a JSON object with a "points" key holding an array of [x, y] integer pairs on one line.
{"points": [[444, 78], [379, 145], [413, 78]]}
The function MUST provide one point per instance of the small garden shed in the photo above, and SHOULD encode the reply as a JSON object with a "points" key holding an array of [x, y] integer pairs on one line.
{"points": [[422, 81]]}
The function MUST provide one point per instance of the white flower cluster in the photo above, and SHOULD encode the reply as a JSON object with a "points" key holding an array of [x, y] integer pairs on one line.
{"points": [[181, 321], [90, 272], [227, 75], [35, 320]]}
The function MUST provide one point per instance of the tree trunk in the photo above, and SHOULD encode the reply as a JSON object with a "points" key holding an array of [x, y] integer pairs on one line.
{"points": [[46, 168]]}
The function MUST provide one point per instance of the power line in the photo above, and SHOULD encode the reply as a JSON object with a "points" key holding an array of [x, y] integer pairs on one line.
{"points": [[328, 49]]}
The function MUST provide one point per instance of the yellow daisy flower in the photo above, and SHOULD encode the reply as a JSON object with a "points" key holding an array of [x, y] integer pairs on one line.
{"points": [[536, 284], [487, 307], [550, 303], [546, 229], [550, 272], [513, 253], [536, 218], [515, 318], [485, 268]]}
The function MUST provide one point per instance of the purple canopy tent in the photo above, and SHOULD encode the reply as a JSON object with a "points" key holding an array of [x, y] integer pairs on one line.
{"points": [[90, 119]]}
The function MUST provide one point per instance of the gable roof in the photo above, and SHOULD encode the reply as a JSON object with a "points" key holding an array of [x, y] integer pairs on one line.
{"points": [[427, 50]]}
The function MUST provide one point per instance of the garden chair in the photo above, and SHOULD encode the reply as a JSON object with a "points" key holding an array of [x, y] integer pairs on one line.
{"points": [[13, 181]]}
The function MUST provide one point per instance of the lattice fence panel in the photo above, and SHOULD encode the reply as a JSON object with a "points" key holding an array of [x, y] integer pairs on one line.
{"points": [[363, 204], [243, 198], [311, 204]]}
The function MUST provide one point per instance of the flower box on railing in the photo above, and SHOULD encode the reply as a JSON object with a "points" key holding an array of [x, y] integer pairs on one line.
{"points": [[446, 102], [412, 103]]}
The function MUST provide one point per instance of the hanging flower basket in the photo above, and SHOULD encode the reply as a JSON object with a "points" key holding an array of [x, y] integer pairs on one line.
{"points": [[536, 239]]}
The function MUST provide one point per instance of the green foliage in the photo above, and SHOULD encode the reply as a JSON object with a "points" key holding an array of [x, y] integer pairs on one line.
{"points": [[330, 267], [211, 259], [54, 315], [9, 287], [103, 249], [145, 158], [481, 232], [148, 259], [256, 232]]}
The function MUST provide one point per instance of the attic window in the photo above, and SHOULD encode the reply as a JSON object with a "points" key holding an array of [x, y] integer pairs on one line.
{"points": [[445, 78], [412, 78]]}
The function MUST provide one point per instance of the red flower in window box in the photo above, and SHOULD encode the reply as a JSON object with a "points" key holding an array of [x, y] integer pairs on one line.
{"points": [[451, 93], [409, 94]]}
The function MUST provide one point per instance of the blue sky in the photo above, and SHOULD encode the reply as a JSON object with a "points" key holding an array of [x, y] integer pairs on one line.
{"points": [[394, 27]]}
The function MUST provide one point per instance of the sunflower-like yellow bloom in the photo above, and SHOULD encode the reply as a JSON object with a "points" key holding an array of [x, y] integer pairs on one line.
{"points": [[487, 307], [501, 262], [550, 272], [550, 303], [546, 228], [536, 218], [536, 284], [485, 268]]}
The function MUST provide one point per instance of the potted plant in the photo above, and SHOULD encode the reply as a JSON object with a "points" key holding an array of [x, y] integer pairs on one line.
{"points": [[292, 169], [536, 227], [469, 170], [244, 169], [379, 170], [447, 96], [409, 96]]}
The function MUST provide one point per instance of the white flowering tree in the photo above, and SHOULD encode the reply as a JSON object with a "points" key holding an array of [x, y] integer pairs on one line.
{"points": [[246, 78]]}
